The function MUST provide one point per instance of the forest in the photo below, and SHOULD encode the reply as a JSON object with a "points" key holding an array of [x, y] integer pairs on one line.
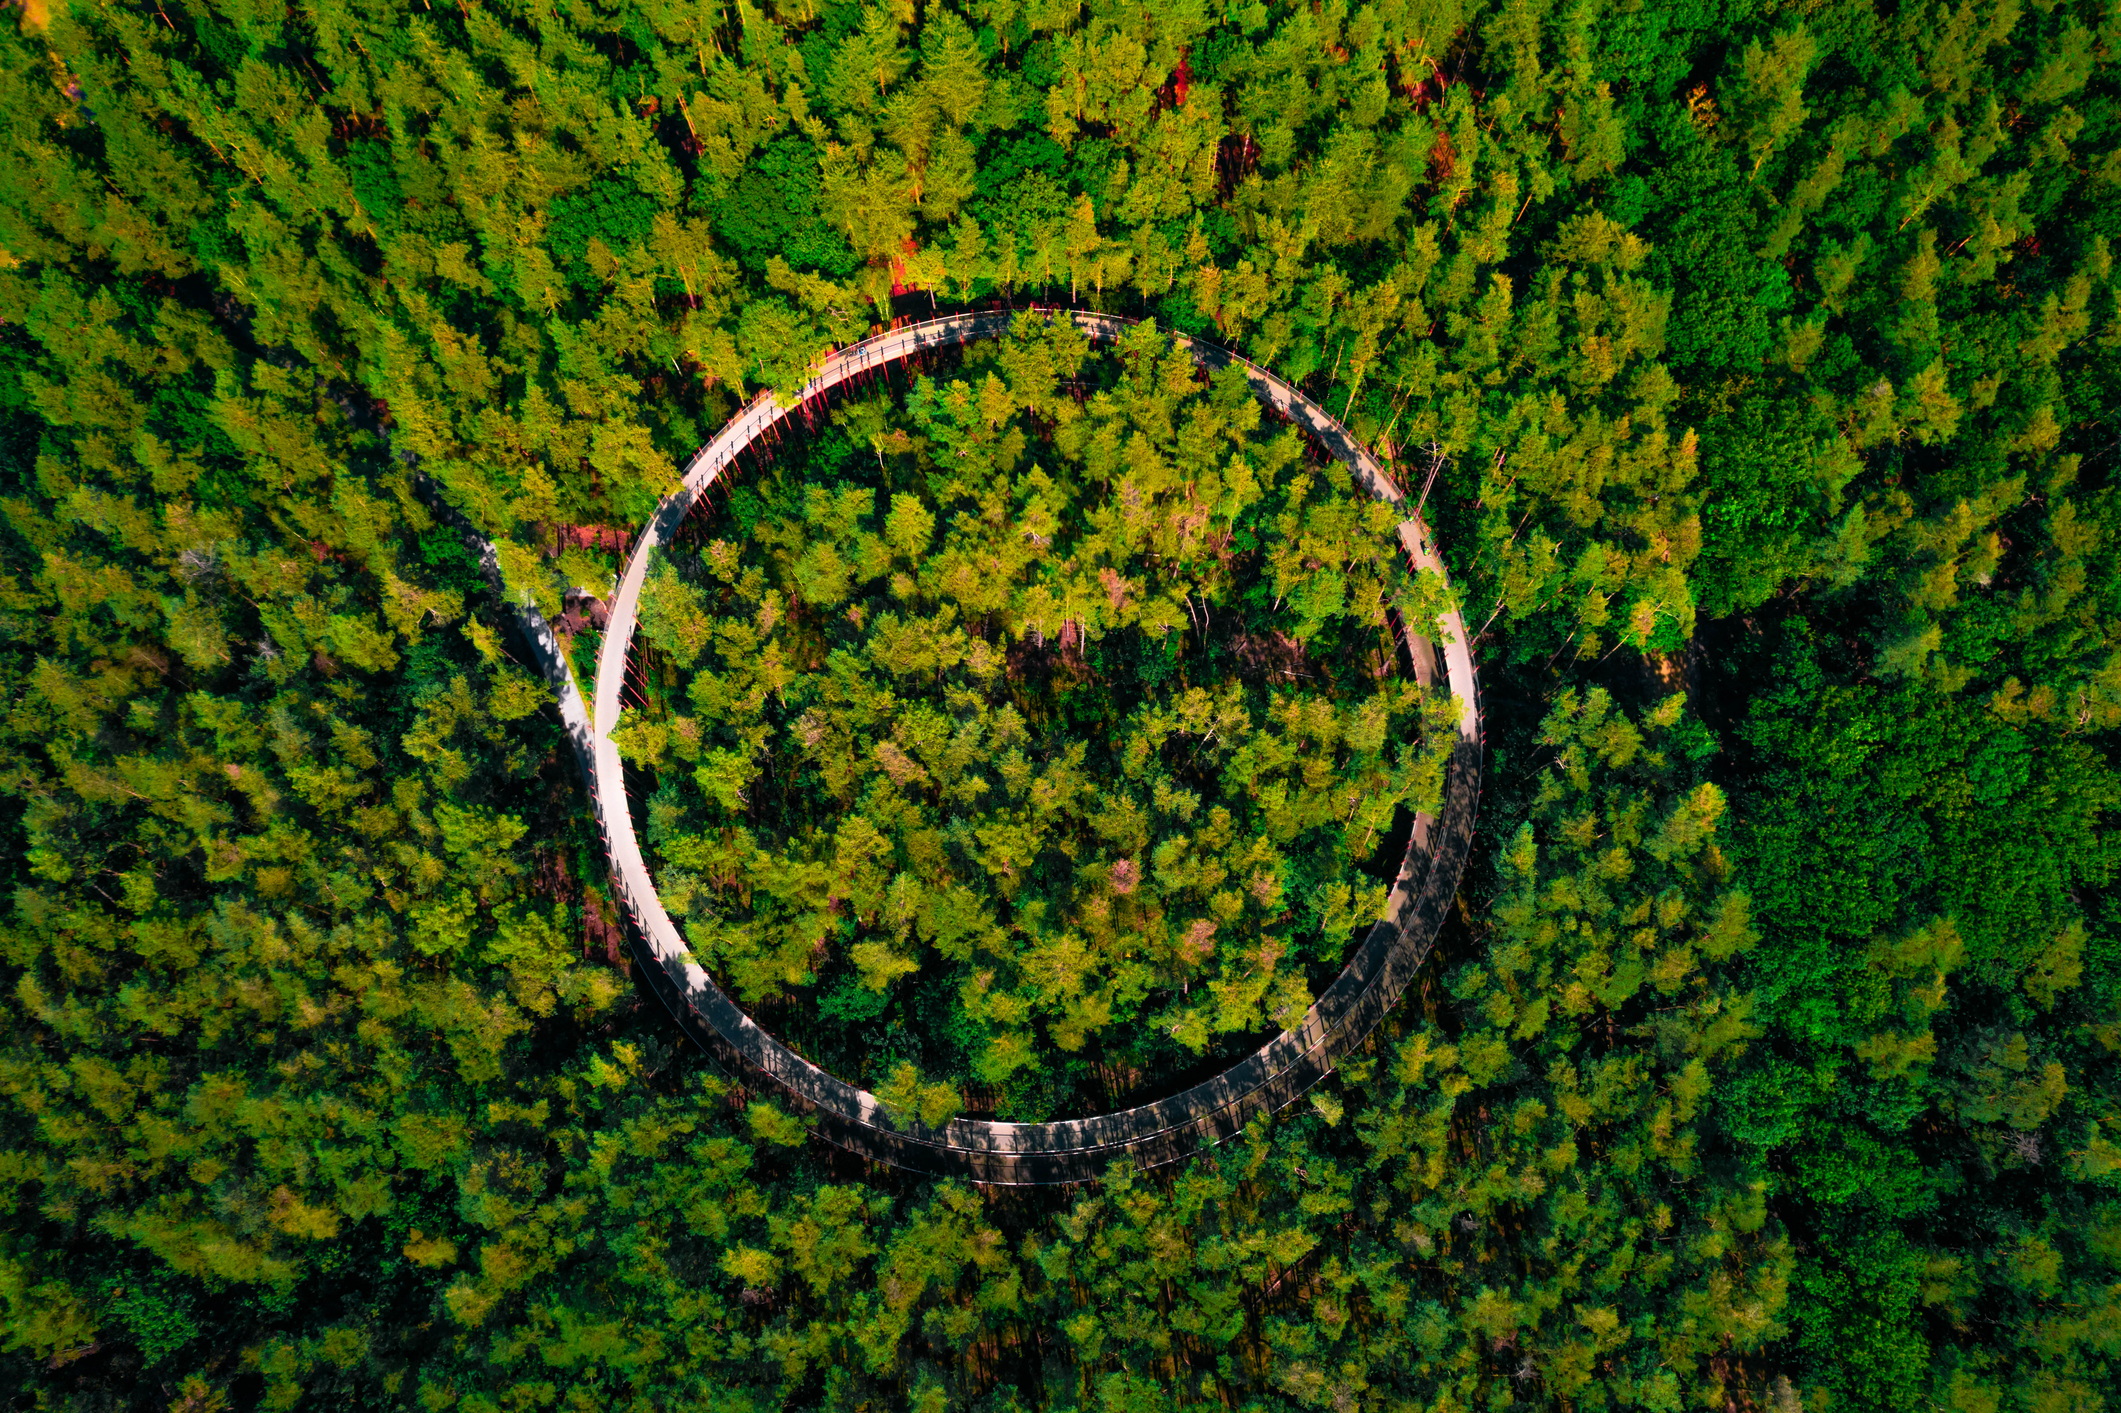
{"points": [[1756, 364]]}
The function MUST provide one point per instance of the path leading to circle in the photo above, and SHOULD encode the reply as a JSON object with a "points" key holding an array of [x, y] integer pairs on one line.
{"points": [[1070, 1150]]}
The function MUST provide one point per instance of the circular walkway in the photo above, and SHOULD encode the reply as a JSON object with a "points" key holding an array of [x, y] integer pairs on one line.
{"points": [[1070, 1150]]}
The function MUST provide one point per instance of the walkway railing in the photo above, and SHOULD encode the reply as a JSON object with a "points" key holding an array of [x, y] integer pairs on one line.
{"points": [[1073, 1149]]}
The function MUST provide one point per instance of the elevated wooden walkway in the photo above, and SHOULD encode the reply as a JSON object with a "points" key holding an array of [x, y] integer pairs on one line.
{"points": [[1070, 1150]]}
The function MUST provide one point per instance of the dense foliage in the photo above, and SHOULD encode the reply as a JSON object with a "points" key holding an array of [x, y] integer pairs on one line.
{"points": [[1755, 361], [1100, 709]]}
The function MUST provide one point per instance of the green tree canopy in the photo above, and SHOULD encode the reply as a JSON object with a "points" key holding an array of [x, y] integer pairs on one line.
{"points": [[1756, 351]]}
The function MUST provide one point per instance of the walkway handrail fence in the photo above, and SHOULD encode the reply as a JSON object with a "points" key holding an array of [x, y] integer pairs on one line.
{"points": [[1069, 1150]]}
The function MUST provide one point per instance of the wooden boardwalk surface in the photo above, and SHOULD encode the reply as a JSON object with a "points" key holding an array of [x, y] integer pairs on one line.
{"points": [[1070, 1150]]}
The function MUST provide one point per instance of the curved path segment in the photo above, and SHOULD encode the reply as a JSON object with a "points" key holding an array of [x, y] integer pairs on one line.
{"points": [[1070, 1150]]}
